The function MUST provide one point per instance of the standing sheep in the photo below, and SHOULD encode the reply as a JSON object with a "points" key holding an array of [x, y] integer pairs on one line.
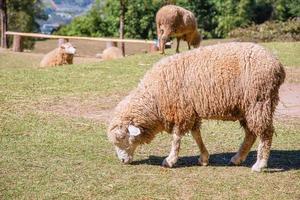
{"points": [[175, 21], [63, 55], [232, 81]]}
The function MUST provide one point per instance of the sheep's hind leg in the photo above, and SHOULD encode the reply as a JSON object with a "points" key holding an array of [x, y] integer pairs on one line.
{"points": [[248, 142], [204, 157], [173, 156], [264, 148], [260, 122]]}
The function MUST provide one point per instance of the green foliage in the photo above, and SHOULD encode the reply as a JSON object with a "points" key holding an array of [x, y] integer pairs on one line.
{"points": [[99, 21], [22, 17], [216, 18], [269, 31], [103, 20]]}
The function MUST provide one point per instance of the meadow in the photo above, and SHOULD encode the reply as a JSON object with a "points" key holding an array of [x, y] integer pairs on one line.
{"points": [[53, 142]]}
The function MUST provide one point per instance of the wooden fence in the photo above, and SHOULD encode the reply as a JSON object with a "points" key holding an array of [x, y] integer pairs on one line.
{"points": [[17, 41]]}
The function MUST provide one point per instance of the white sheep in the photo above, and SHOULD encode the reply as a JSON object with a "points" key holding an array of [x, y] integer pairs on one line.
{"points": [[63, 55], [175, 21], [111, 53], [231, 81]]}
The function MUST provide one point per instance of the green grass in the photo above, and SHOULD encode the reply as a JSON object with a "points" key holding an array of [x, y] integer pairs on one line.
{"points": [[46, 157], [288, 52], [51, 156]]}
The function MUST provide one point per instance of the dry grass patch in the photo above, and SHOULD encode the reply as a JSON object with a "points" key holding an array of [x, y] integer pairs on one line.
{"points": [[94, 107]]}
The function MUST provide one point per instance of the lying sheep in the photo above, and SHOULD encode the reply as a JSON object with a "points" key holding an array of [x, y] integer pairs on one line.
{"points": [[111, 53], [232, 81], [175, 21], [63, 55]]}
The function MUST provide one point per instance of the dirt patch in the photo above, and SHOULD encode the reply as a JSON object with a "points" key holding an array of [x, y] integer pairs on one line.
{"points": [[293, 75], [289, 105], [101, 108], [91, 107]]}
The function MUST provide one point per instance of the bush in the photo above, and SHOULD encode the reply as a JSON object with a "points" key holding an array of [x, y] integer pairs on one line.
{"points": [[269, 31]]}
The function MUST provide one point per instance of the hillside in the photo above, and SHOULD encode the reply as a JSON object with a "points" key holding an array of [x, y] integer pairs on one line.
{"points": [[62, 12]]}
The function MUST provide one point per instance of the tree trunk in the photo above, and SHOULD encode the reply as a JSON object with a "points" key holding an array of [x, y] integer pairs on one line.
{"points": [[3, 23], [17, 44], [122, 24]]}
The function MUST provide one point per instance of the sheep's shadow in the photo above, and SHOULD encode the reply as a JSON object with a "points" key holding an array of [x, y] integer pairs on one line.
{"points": [[280, 160]]}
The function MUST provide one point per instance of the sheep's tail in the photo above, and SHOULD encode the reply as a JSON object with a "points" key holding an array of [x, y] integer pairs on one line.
{"points": [[281, 74]]}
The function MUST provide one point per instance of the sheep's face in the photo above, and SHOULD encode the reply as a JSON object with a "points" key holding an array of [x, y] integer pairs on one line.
{"points": [[68, 48], [196, 40], [124, 139]]}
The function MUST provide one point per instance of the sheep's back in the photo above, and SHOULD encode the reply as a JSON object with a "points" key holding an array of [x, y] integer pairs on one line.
{"points": [[218, 81], [49, 59], [178, 20]]}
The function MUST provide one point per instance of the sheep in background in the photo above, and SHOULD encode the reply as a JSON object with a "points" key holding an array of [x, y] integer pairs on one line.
{"points": [[231, 81], [63, 55], [110, 53], [175, 21]]}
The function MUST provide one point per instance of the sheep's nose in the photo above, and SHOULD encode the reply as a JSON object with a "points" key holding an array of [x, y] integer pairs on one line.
{"points": [[123, 160]]}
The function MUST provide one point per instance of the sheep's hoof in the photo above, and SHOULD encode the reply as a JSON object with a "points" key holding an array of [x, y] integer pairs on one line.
{"points": [[235, 160], [231, 164], [203, 162], [167, 164], [256, 168], [259, 165]]}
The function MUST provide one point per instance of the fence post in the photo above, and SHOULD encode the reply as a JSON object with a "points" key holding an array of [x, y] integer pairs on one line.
{"points": [[17, 44]]}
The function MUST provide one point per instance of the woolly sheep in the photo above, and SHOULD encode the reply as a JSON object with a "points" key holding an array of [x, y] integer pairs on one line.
{"points": [[63, 55], [175, 21], [232, 81], [111, 53]]}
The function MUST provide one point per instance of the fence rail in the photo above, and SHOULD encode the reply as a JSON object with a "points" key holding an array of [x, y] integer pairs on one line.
{"points": [[17, 41], [38, 35]]}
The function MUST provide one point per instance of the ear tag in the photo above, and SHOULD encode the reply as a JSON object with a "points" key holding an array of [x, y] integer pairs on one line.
{"points": [[134, 131]]}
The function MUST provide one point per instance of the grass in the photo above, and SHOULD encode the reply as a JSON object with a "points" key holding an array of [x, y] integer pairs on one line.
{"points": [[288, 52], [50, 156]]}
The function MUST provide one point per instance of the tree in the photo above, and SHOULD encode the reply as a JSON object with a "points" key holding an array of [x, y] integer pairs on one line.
{"points": [[215, 17], [3, 23], [22, 17], [122, 22]]}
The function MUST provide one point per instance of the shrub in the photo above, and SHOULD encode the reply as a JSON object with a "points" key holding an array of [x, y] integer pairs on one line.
{"points": [[269, 31]]}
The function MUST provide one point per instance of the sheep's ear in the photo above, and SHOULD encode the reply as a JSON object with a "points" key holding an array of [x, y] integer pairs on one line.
{"points": [[133, 130]]}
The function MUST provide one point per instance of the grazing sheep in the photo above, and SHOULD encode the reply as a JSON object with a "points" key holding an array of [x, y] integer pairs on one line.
{"points": [[63, 55], [175, 21], [232, 81], [111, 53]]}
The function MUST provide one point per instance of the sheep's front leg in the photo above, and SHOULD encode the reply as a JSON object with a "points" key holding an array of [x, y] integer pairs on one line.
{"points": [[189, 45], [177, 47], [173, 156], [204, 157]]}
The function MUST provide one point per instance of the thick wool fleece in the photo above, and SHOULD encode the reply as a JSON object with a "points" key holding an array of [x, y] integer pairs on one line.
{"points": [[111, 53], [231, 81], [57, 57]]}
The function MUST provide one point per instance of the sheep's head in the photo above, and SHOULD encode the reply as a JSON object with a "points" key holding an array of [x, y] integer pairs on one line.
{"points": [[68, 48], [196, 39], [125, 139]]}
